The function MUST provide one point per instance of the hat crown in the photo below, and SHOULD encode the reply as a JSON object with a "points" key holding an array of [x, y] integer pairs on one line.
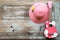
{"points": [[40, 10]]}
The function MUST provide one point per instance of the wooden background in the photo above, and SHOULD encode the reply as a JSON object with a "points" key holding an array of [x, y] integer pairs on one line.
{"points": [[15, 13]]}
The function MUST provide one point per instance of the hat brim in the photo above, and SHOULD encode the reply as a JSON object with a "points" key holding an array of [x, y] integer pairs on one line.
{"points": [[35, 20]]}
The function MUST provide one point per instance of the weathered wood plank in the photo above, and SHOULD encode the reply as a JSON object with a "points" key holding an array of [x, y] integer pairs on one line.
{"points": [[15, 13]]}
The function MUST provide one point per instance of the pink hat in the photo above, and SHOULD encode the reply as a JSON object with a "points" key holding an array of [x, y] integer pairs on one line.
{"points": [[39, 13]]}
